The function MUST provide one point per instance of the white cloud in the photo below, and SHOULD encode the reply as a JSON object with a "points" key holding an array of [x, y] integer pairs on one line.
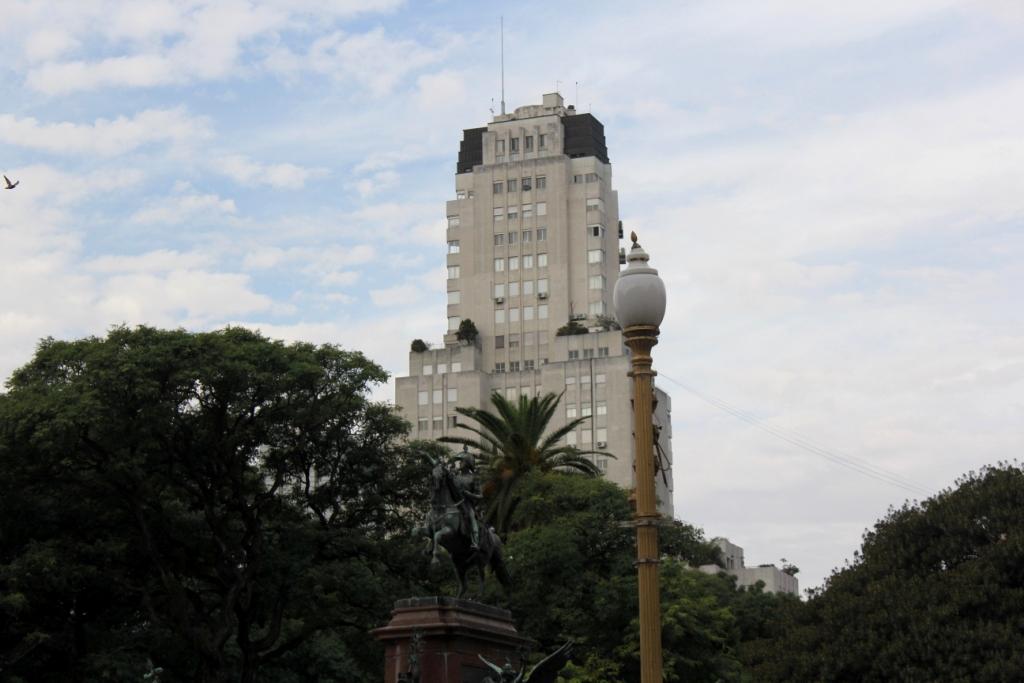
{"points": [[105, 137], [178, 209], [160, 260], [247, 172], [47, 44]]}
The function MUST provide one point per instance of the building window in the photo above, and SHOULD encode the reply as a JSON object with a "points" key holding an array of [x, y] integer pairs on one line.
{"points": [[602, 409], [542, 312], [499, 146], [438, 423], [499, 341], [499, 315], [512, 236], [570, 439], [595, 204], [542, 140], [570, 411], [499, 290], [595, 256], [527, 312], [428, 370], [423, 398], [499, 187], [528, 365], [588, 353], [453, 323], [513, 185], [585, 437], [513, 366], [528, 145], [602, 352], [513, 145], [513, 315], [599, 378], [527, 285], [602, 435], [499, 239], [423, 424], [585, 379], [453, 395], [499, 265], [577, 179], [513, 289], [542, 337], [453, 246], [454, 298], [499, 213], [513, 213], [542, 208], [527, 210], [529, 339], [542, 284], [596, 230], [527, 236], [542, 234], [541, 181], [597, 281], [513, 263], [510, 393], [442, 368], [453, 221], [513, 341], [574, 354], [597, 308], [453, 272], [456, 366], [438, 396], [527, 261], [527, 182], [602, 464], [499, 368], [542, 260], [453, 421], [592, 178]]}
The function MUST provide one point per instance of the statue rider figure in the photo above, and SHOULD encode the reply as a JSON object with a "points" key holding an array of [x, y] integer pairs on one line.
{"points": [[468, 485]]}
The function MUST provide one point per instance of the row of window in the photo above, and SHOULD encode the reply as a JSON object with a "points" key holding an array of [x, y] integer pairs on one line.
{"points": [[514, 261], [438, 396], [527, 338], [514, 144], [585, 178], [585, 438], [513, 288], [512, 212], [442, 368], [515, 366], [424, 423], [527, 314], [585, 410], [599, 378], [515, 184], [526, 236], [602, 352]]}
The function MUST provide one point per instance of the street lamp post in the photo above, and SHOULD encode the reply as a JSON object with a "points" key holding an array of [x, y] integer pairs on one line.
{"points": [[639, 301]]}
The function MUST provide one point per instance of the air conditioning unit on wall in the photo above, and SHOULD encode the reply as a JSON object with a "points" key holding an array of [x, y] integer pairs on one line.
{"points": [[499, 299], [602, 444], [542, 295]]}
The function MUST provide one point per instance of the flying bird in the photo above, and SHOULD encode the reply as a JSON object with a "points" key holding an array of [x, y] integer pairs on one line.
{"points": [[10, 185]]}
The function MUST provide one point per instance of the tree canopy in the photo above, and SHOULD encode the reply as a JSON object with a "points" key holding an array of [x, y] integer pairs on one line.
{"points": [[936, 593], [214, 504]]}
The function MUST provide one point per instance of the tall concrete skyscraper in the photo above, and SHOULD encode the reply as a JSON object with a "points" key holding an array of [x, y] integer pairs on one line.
{"points": [[533, 245]]}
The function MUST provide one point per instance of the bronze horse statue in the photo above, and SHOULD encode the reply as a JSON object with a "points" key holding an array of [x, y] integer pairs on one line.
{"points": [[446, 526]]}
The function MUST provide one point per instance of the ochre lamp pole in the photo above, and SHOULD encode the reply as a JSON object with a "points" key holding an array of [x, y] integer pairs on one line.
{"points": [[639, 299]]}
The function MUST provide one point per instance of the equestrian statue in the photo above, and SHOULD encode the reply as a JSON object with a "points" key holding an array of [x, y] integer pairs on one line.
{"points": [[454, 522]]}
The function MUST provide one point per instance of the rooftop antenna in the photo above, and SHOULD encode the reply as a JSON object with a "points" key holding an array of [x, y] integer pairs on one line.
{"points": [[503, 65], [577, 100]]}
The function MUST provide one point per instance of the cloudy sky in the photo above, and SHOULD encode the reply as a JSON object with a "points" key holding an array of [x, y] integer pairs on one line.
{"points": [[834, 193]]}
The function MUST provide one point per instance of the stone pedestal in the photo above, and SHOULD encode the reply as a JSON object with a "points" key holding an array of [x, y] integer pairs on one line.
{"points": [[451, 634]]}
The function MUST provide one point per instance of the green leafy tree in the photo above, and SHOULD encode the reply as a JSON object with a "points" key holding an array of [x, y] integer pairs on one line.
{"points": [[936, 593], [218, 505], [515, 439]]}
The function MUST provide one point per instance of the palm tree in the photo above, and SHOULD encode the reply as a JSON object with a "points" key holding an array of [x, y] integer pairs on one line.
{"points": [[512, 441]]}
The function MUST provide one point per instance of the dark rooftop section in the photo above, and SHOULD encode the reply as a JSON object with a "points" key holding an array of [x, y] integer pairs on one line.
{"points": [[471, 150], [584, 137]]}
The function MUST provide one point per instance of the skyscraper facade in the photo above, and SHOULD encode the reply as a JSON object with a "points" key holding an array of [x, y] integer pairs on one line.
{"points": [[533, 257]]}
